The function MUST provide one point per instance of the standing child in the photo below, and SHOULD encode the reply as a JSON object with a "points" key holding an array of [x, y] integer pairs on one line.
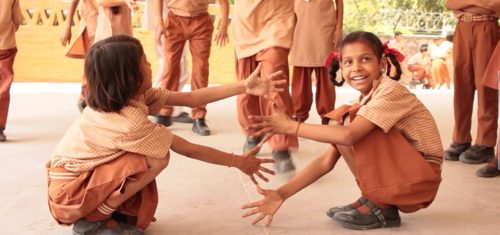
{"points": [[318, 29], [85, 39], [440, 51], [107, 162], [476, 35], [10, 19], [188, 20], [491, 79], [178, 115], [389, 140], [263, 32]]}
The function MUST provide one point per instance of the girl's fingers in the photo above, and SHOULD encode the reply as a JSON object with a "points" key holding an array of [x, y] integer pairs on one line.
{"points": [[261, 176], [250, 213], [268, 171], [254, 180], [256, 220], [279, 82], [256, 118], [250, 205], [278, 90], [269, 219]]}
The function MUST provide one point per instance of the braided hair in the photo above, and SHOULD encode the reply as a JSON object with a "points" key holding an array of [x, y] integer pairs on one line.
{"points": [[375, 44]]}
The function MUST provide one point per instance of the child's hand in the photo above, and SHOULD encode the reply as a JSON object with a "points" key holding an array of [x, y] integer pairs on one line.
{"points": [[266, 207], [221, 38], [250, 165], [159, 32], [264, 86], [277, 123], [65, 37]]}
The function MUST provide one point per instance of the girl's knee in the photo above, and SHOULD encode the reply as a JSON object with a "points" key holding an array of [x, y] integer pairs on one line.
{"points": [[158, 164]]}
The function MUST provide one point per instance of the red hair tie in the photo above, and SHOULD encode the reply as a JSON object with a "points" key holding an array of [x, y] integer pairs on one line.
{"points": [[333, 55], [400, 57]]}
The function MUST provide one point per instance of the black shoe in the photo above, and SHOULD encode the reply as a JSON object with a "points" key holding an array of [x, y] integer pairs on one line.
{"points": [[380, 218], [200, 127], [164, 120], [2, 136], [250, 143], [332, 211], [477, 154], [81, 104], [454, 151], [490, 170], [83, 227], [283, 161], [183, 117]]}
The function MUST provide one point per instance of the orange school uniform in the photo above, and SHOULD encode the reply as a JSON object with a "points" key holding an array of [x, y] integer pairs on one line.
{"points": [[398, 163]]}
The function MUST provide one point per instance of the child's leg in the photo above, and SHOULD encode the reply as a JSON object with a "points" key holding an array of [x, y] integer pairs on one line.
{"points": [[325, 93], [276, 59], [6, 77], [172, 51], [201, 29], [301, 92], [155, 167], [247, 105]]}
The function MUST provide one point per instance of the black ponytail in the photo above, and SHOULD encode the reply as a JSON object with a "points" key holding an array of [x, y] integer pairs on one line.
{"points": [[332, 72], [395, 62]]}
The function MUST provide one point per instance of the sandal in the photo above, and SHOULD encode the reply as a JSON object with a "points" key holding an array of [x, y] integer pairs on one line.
{"points": [[331, 212], [380, 218]]}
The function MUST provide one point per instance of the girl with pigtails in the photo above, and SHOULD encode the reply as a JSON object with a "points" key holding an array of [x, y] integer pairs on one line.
{"points": [[388, 139]]}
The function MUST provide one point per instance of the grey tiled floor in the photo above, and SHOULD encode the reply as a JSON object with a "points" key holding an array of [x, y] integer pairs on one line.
{"points": [[197, 198]]}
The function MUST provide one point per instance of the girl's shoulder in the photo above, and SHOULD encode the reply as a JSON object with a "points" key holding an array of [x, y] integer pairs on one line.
{"points": [[387, 84]]}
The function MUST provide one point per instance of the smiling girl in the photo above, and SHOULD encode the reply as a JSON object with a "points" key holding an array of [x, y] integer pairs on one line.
{"points": [[388, 139]]}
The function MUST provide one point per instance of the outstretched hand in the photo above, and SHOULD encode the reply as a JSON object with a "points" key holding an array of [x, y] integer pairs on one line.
{"points": [[277, 123], [251, 165], [264, 86], [266, 207]]}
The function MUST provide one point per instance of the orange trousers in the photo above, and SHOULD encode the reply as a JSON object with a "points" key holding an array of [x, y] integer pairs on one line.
{"points": [[272, 59], [74, 196], [388, 169], [302, 92], [473, 44], [6, 77], [439, 73], [198, 31]]}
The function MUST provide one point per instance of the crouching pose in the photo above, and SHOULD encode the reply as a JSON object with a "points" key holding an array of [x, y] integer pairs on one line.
{"points": [[388, 139], [102, 174]]}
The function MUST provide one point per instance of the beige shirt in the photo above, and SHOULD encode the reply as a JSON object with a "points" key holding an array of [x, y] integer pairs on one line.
{"points": [[261, 24], [458, 7], [442, 50], [98, 137], [188, 8], [314, 32], [10, 19], [393, 106], [89, 11], [109, 24]]}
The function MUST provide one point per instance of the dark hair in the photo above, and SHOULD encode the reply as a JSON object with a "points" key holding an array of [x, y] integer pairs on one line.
{"points": [[375, 44], [424, 47], [113, 71], [397, 33]]}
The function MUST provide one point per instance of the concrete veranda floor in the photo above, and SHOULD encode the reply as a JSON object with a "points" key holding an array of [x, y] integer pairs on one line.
{"points": [[197, 198]]}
